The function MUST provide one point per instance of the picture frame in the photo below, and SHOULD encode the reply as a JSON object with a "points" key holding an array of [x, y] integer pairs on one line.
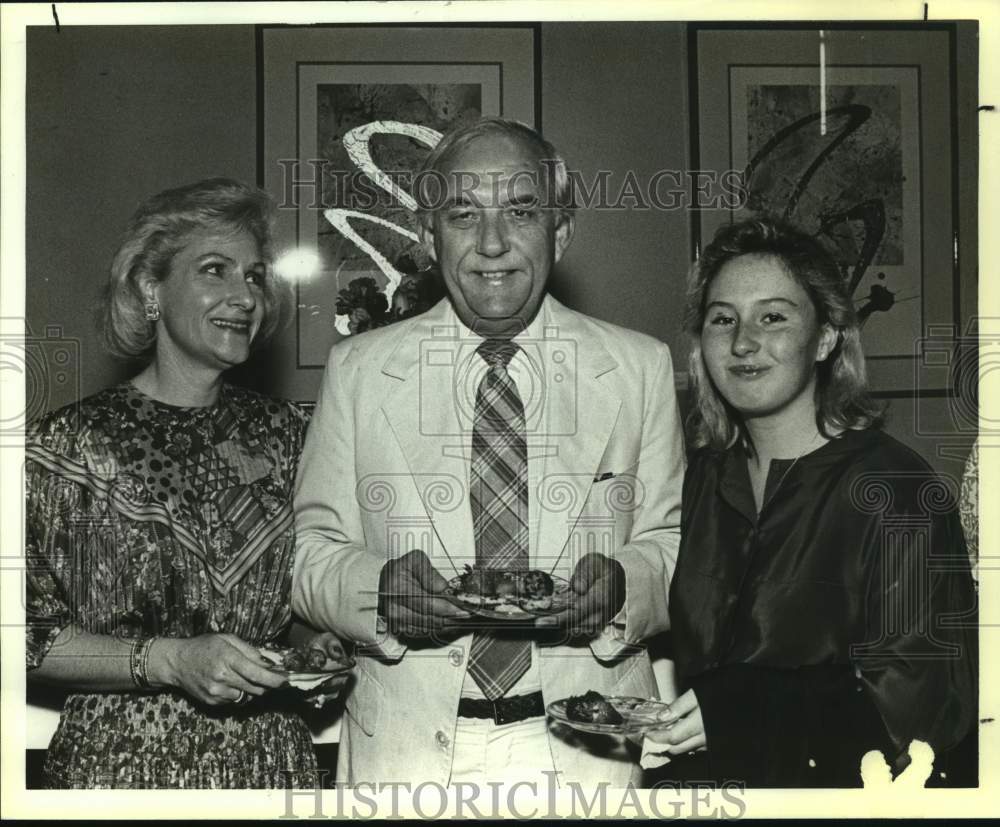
{"points": [[848, 131], [318, 83]]}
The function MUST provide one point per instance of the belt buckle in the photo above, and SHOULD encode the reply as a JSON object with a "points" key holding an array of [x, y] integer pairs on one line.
{"points": [[500, 714]]}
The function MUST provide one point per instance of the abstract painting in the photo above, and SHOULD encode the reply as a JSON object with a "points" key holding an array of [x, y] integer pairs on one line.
{"points": [[347, 116], [845, 168], [846, 130]]}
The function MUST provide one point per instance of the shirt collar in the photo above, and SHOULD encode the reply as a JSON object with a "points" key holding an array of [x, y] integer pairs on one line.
{"points": [[533, 332]]}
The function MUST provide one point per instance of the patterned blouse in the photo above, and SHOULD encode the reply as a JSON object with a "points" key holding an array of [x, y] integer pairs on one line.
{"points": [[968, 508], [148, 519]]}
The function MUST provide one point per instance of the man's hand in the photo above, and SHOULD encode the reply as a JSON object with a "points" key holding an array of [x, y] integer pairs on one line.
{"points": [[407, 587], [599, 584]]}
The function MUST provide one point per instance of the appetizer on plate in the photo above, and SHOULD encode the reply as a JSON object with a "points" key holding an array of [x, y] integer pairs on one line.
{"points": [[592, 708], [508, 593], [516, 583], [306, 667], [290, 659]]}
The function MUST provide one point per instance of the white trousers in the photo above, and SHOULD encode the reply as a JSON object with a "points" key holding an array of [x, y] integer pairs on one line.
{"points": [[509, 753]]}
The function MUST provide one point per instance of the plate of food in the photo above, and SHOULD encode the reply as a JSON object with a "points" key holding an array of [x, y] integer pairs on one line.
{"points": [[612, 714], [304, 667], [509, 594]]}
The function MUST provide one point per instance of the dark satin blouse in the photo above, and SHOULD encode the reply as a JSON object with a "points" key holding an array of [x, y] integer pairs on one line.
{"points": [[840, 619]]}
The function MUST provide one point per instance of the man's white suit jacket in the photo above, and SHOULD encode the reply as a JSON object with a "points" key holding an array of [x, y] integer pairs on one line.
{"points": [[385, 469]]}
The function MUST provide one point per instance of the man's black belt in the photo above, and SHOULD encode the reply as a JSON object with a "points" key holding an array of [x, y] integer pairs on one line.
{"points": [[503, 710]]}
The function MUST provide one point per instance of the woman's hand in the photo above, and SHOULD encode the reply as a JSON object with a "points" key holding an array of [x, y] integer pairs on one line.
{"points": [[214, 669], [687, 733]]}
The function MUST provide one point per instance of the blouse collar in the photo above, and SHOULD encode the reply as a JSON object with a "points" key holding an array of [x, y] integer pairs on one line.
{"points": [[734, 477]]}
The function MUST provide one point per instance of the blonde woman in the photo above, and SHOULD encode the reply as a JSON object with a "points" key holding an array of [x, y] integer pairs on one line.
{"points": [[159, 526]]}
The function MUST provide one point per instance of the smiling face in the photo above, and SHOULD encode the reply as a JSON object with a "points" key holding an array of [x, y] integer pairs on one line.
{"points": [[760, 340], [493, 241], [212, 302]]}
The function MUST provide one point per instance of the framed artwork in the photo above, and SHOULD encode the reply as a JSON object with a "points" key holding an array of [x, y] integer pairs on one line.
{"points": [[346, 115], [849, 133]]}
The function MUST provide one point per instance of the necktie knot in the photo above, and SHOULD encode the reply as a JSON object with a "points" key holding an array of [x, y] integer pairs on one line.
{"points": [[497, 352]]}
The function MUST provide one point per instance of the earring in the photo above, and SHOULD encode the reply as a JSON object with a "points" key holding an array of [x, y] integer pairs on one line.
{"points": [[152, 311]]}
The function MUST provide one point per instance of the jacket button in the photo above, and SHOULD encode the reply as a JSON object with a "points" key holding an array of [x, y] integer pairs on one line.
{"points": [[455, 657], [442, 739]]}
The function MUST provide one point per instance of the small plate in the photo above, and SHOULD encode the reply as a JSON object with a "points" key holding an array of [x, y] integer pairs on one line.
{"points": [[640, 715], [510, 608], [305, 680]]}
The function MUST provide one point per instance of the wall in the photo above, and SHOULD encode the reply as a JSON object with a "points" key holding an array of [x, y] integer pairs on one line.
{"points": [[114, 115], [614, 98]]}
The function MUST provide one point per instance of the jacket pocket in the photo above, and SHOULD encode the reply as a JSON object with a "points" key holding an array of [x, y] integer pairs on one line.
{"points": [[365, 702]]}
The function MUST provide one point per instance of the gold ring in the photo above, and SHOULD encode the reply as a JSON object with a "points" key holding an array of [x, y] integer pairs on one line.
{"points": [[242, 698]]}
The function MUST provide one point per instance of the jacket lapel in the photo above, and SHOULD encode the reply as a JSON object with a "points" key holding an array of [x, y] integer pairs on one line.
{"points": [[581, 414], [426, 422]]}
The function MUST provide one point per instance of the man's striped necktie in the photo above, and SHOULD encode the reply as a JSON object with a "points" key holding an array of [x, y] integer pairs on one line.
{"points": [[499, 499]]}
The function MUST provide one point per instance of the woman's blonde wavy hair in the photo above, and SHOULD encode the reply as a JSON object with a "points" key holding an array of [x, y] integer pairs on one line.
{"points": [[157, 231]]}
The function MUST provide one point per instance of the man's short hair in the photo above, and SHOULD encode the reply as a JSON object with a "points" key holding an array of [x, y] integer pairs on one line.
{"points": [[431, 188]]}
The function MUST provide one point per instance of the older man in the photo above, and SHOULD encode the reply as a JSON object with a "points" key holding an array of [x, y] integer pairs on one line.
{"points": [[498, 430]]}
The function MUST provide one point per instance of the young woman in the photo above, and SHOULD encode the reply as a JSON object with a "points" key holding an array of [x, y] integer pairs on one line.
{"points": [[159, 523], [822, 605]]}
